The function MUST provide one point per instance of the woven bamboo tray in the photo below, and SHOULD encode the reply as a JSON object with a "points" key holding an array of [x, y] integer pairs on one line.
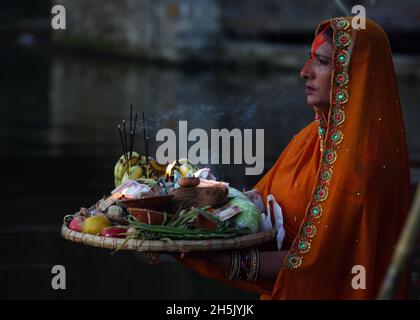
{"points": [[166, 246]]}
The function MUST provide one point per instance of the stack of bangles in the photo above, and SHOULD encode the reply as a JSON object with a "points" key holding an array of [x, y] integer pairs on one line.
{"points": [[244, 265]]}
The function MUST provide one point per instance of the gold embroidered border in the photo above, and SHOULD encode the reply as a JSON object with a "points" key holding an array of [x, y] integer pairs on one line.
{"points": [[331, 137]]}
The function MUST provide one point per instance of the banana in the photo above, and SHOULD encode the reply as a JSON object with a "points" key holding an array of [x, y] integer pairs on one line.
{"points": [[138, 168], [157, 166]]}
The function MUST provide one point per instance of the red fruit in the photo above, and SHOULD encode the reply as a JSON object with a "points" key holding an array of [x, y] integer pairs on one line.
{"points": [[114, 232], [76, 224], [202, 222]]}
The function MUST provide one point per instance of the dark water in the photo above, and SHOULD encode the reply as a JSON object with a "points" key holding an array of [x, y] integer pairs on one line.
{"points": [[59, 143]]}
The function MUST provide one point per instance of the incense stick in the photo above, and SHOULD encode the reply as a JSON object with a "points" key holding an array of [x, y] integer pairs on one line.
{"points": [[122, 141], [131, 115], [131, 132], [146, 146], [147, 150], [125, 141], [145, 138], [134, 133], [130, 150]]}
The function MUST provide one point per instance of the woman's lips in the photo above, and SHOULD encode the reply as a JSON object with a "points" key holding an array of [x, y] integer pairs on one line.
{"points": [[309, 90]]}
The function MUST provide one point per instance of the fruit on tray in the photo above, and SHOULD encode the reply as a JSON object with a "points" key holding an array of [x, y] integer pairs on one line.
{"points": [[135, 167], [122, 165], [95, 224]]}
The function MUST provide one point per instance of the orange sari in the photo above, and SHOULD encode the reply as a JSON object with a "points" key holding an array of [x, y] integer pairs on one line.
{"points": [[343, 181]]}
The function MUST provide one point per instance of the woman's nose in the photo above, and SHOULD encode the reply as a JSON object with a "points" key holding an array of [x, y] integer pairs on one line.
{"points": [[306, 71]]}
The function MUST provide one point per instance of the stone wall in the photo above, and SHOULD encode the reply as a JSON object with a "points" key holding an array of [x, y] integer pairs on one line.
{"points": [[215, 30], [164, 29]]}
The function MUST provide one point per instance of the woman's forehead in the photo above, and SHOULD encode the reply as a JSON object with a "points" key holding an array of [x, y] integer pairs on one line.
{"points": [[324, 49]]}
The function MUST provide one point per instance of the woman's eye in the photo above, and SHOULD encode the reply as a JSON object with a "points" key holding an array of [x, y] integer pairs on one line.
{"points": [[323, 61]]}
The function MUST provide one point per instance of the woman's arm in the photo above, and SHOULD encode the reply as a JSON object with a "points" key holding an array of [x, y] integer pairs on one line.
{"points": [[270, 262]]}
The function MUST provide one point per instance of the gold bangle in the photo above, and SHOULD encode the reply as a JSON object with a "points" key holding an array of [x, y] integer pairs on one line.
{"points": [[234, 265], [254, 265], [257, 269]]}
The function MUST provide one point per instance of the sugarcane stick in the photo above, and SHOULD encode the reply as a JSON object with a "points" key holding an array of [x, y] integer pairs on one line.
{"points": [[131, 132], [403, 251]]}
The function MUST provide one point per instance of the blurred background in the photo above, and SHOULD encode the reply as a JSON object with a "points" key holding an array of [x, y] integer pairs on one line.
{"points": [[216, 64]]}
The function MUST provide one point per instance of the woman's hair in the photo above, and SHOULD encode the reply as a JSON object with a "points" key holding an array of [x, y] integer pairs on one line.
{"points": [[328, 32]]}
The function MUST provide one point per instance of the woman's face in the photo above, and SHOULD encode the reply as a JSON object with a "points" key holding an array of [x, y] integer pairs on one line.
{"points": [[317, 73]]}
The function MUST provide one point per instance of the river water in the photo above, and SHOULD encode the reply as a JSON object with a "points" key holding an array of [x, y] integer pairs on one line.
{"points": [[59, 144]]}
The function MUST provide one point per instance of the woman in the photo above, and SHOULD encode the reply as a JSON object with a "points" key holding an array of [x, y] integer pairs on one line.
{"points": [[342, 181]]}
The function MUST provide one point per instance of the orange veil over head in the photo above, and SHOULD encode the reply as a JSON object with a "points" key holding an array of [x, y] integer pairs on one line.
{"points": [[343, 181]]}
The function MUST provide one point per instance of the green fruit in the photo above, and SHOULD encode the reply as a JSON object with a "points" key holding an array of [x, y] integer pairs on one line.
{"points": [[186, 166], [184, 170], [134, 173], [249, 217], [121, 167], [142, 160]]}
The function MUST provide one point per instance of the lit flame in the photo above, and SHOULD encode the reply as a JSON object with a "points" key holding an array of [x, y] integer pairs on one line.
{"points": [[169, 170]]}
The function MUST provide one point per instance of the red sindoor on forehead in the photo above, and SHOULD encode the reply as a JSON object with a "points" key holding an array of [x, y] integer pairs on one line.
{"points": [[319, 41]]}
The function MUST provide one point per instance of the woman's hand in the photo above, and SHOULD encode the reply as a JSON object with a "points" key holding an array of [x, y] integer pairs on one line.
{"points": [[270, 261], [217, 258]]}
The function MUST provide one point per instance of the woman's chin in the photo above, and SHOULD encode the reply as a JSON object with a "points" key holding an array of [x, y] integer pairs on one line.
{"points": [[311, 101]]}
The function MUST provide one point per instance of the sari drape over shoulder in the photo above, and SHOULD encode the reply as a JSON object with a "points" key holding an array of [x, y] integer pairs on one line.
{"points": [[343, 181]]}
